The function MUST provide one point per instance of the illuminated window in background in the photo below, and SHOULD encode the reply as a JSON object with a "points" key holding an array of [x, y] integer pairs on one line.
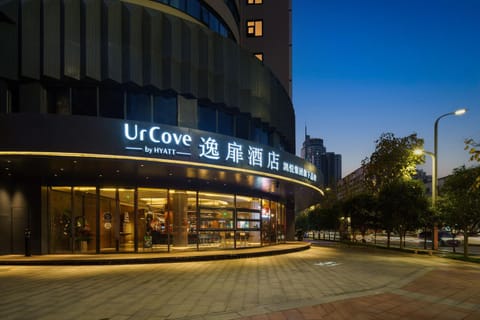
{"points": [[255, 28], [254, 1], [259, 56]]}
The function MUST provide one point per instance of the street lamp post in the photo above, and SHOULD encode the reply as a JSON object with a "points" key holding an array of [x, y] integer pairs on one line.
{"points": [[435, 166], [434, 198]]}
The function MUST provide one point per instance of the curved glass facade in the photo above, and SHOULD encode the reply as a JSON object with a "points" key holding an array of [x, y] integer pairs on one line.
{"points": [[203, 13], [112, 219], [126, 126], [141, 104]]}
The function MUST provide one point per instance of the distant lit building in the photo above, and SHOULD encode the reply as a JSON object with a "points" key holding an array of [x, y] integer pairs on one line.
{"points": [[352, 184], [329, 163], [425, 179]]}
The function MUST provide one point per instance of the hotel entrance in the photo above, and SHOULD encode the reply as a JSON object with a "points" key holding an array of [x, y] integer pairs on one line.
{"points": [[114, 220]]}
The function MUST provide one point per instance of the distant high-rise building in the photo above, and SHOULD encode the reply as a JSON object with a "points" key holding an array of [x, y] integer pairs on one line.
{"points": [[312, 150], [331, 167], [329, 163]]}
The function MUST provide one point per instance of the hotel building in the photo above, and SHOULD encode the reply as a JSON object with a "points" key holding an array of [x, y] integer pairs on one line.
{"points": [[146, 126]]}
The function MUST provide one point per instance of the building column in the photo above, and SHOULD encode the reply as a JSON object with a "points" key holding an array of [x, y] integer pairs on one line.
{"points": [[179, 208]]}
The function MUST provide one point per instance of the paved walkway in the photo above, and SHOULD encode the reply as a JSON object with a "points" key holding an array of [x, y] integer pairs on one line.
{"points": [[176, 255], [318, 283]]}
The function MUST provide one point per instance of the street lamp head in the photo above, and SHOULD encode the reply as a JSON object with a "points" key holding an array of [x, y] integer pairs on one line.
{"points": [[459, 112], [418, 152]]}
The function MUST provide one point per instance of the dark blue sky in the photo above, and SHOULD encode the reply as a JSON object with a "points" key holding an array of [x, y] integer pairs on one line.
{"points": [[362, 68]]}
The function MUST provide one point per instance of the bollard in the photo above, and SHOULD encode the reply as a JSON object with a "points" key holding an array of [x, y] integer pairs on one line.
{"points": [[28, 250]]}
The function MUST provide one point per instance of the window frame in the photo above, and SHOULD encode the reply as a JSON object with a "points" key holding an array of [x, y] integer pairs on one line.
{"points": [[255, 30]]}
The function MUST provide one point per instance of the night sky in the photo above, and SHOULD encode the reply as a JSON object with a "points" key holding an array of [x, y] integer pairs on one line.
{"points": [[362, 68]]}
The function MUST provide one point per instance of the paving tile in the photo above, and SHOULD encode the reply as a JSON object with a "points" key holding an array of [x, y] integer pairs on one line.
{"points": [[364, 285]]}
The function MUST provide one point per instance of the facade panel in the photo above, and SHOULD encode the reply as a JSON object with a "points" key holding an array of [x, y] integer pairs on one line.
{"points": [[52, 38]]}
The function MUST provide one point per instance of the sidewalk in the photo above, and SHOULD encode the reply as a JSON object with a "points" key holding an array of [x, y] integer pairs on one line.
{"points": [[443, 294], [335, 282], [142, 258]]}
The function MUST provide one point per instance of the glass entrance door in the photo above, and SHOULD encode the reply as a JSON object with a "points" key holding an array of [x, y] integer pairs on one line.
{"points": [[117, 218]]}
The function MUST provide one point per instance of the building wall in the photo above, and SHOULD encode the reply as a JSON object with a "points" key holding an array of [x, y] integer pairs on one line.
{"points": [[276, 41], [20, 209], [123, 43]]}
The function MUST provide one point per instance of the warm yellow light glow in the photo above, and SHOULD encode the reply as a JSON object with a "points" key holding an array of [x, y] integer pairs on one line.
{"points": [[85, 188], [157, 160], [418, 152], [460, 111], [154, 201], [218, 195]]}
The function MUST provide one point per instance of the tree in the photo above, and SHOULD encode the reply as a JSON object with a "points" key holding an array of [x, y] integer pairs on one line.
{"points": [[392, 159], [361, 209], [460, 202], [473, 149], [329, 219], [401, 203], [301, 222], [471, 145]]}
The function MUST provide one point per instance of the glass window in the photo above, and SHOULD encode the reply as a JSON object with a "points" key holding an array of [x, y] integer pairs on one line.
{"points": [[249, 203], [179, 4], [281, 226], [138, 106], [259, 56], [84, 101], [193, 8], [223, 30], [205, 15], [58, 100], [117, 219], [4, 97], [165, 109], [225, 123], [61, 217], [242, 126], [153, 224], [216, 210], [111, 103], [260, 133], [213, 23], [254, 28], [72, 225], [207, 118], [216, 220], [254, 1], [11, 99], [84, 221]]}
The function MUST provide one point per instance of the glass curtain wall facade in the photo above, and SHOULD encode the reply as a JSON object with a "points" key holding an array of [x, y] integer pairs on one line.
{"points": [[105, 220]]}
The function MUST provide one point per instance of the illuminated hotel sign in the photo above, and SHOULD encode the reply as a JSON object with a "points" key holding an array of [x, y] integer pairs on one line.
{"points": [[180, 143]]}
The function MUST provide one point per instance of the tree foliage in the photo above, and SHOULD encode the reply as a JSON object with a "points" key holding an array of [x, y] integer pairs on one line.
{"points": [[402, 203], [393, 159], [473, 148], [460, 202], [361, 209]]}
